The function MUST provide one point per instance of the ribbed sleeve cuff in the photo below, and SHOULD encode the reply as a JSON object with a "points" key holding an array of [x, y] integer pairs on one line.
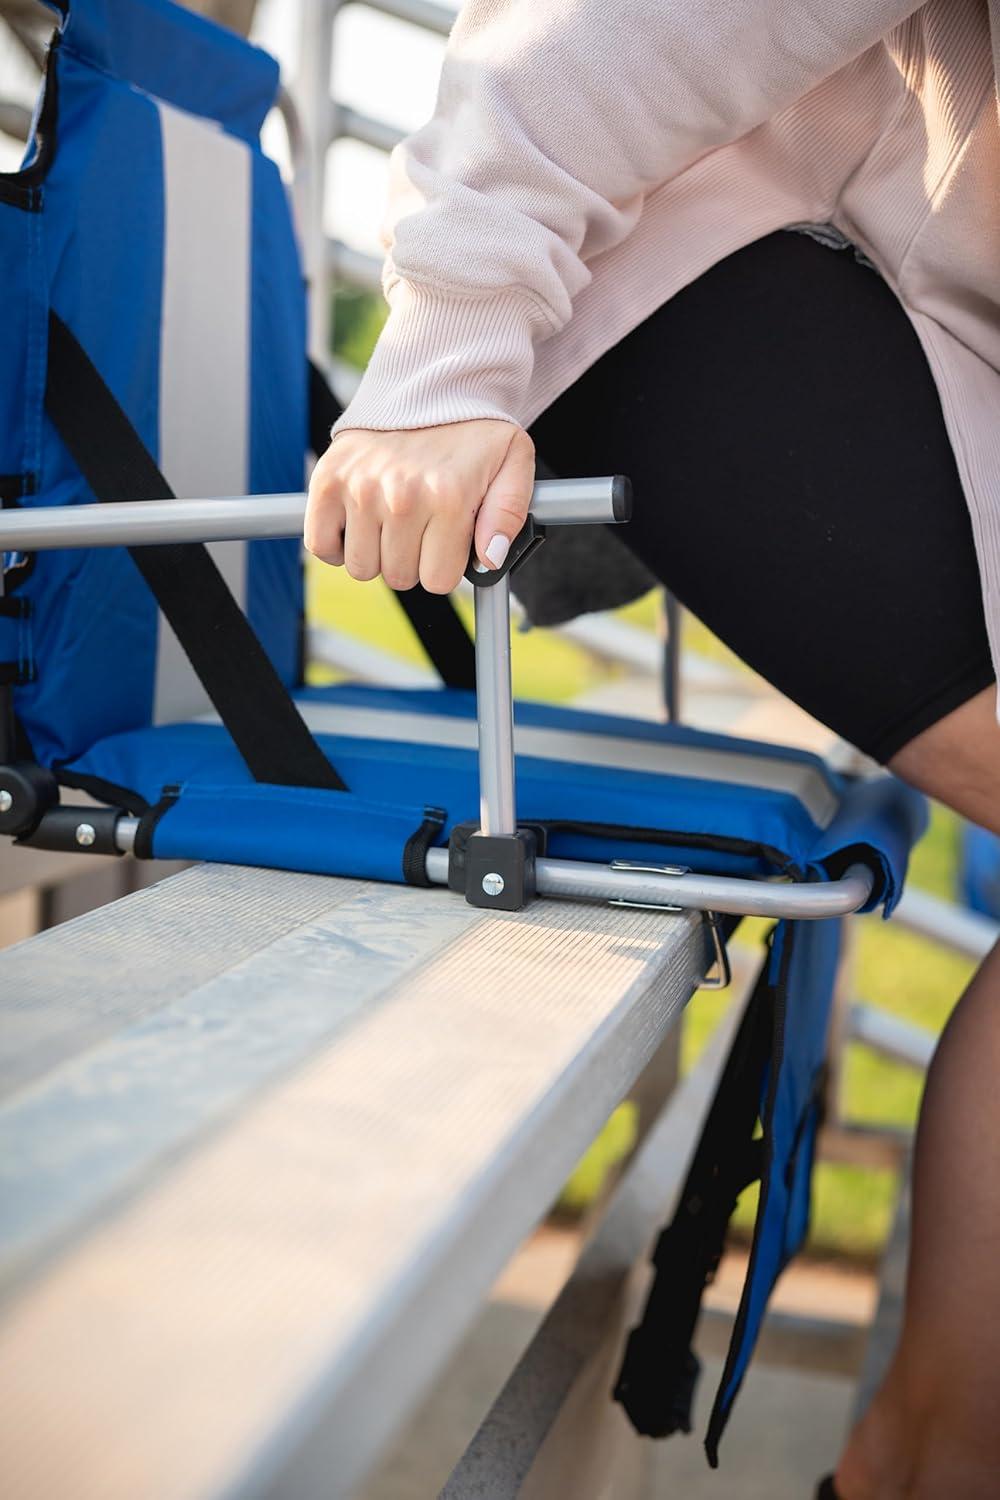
{"points": [[447, 357]]}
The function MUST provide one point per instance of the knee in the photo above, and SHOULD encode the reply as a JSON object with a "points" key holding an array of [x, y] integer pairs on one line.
{"points": [[955, 760]]}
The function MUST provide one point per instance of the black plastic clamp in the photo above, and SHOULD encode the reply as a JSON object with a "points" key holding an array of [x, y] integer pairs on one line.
{"points": [[495, 873], [528, 540]]}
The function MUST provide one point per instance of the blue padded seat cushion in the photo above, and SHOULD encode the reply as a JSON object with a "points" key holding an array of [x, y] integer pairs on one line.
{"points": [[787, 813]]}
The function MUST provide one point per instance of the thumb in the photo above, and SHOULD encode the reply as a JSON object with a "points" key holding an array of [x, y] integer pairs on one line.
{"points": [[505, 504]]}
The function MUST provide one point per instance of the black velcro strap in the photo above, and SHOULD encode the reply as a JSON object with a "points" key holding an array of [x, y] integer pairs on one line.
{"points": [[15, 673], [142, 848], [437, 623], [656, 1381], [232, 665], [417, 845]]}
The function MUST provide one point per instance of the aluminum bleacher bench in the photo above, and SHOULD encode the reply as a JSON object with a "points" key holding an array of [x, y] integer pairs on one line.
{"points": [[150, 657], [267, 1139]]}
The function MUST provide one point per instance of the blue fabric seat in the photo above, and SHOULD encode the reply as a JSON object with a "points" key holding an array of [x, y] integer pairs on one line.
{"points": [[604, 787]]}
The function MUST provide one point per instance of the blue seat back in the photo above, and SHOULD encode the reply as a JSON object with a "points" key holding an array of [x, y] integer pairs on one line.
{"points": [[148, 218]]}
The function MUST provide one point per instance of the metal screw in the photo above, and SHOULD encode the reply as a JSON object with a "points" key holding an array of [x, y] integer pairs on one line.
{"points": [[6, 801], [493, 883], [85, 834]]}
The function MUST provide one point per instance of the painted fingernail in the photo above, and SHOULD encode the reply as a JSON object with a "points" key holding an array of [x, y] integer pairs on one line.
{"points": [[496, 552]]}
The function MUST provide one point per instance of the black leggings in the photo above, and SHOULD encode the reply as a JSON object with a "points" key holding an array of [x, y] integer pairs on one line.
{"points": [[795, 486]]}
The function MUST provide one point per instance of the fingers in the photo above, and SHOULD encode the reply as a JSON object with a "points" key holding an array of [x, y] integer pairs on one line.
{"points": [[404, 503], [444, 554], [402, 507], [506, 502], [325, 517], [363, 531]]}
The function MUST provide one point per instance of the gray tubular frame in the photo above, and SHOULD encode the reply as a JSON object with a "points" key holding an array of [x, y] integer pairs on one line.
{"points": [[649, 887], [554, 503]]}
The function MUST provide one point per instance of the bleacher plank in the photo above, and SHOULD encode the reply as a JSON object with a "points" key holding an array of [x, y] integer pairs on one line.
{"points": [[552, 1430], [267, 1141]]}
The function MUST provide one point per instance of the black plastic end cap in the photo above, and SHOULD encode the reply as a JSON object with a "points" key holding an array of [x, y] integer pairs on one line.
{"points": [[621, 498], [30, 791]]}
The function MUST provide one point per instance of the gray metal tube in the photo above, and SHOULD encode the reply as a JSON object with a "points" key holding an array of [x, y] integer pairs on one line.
{"points": [[495, 711], [432, 17], [555, 502], [582, 881], [125, 831], [147, 522]]}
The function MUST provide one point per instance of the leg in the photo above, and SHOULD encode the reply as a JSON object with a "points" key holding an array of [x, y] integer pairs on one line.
{"points": [[795, 487], [932, 1429]]}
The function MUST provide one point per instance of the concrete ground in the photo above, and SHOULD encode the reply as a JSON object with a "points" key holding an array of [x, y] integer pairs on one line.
{"points": [[786, 1428]]}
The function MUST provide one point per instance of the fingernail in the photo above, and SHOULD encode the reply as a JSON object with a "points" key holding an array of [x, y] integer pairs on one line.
{"points": [[496, 552]]}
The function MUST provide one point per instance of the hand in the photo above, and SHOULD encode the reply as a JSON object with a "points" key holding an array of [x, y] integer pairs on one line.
{"points": [[407, 504]]}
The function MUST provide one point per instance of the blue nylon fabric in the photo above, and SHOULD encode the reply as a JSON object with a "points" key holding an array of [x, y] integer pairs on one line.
{"points": [[102, 222], [196, 755], [177, 56], [22, 368], [94, 253], [278, 407], [898, 813], [812, 951], [296, 825]]}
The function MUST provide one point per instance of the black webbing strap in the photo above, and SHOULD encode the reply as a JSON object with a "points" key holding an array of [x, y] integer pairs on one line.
{"points": [[435, 619], [659, 1370], [232, 665]]}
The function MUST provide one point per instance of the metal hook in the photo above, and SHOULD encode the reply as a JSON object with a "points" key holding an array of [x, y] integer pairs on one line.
{"points": [[723, 974]]}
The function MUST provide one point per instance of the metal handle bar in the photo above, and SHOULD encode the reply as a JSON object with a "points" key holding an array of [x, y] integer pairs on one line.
{"points": [[555, 502]]}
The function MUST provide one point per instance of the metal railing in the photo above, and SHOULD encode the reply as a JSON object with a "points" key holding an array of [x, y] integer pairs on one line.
{"points": [[326, 120]]}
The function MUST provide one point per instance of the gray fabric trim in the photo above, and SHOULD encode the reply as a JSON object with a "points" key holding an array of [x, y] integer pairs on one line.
{"points": [[204, 351], [800, 780]]}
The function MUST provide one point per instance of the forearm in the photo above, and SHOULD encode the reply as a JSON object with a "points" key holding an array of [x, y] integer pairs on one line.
{"points": [[553, 122]]}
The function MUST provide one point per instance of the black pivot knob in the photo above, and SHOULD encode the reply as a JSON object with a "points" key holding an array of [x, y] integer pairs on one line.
{"points": [[27, 791]]}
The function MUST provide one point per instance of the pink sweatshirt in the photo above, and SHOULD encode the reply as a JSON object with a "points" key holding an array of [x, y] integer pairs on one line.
{"points": [[584, 163]]}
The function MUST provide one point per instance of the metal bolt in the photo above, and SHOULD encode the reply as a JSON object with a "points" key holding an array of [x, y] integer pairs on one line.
{"points": [[6, 801], [493, 883], [85, 834]]}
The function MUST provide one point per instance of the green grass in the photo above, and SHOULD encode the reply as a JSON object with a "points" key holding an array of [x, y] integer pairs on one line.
{"points": [[903, 973], [357, 322], [544, 664]]}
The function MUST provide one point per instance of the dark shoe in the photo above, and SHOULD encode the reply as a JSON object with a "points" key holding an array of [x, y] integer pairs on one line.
{"points": [[826, 1489]]}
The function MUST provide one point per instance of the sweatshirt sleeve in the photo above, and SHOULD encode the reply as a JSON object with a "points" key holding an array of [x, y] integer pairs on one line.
{"points": [[554, 119]]}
